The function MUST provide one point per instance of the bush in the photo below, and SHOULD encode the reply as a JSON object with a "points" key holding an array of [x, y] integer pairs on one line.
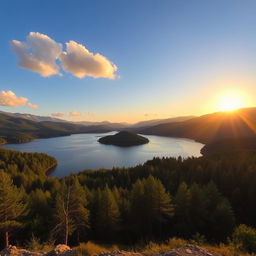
{"points": [[34, 244], [90, 248], [176, 242], [197, 239], [244, 238]]}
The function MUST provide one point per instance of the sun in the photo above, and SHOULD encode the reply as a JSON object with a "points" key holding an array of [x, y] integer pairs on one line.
{"points": [[231, 101]]}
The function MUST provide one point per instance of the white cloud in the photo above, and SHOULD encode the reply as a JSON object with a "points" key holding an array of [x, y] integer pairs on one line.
{"points": [[58, 114], [33, 105], [74, 113], [9, 99], [38, 54], [81, 63]]}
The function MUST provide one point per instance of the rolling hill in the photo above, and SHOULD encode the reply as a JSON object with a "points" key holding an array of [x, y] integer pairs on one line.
{"points": [[239, 124], [154, 122], [19, 130]]}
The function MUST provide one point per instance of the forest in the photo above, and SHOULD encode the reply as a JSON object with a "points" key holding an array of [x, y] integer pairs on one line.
{"points": [[170, 197]]}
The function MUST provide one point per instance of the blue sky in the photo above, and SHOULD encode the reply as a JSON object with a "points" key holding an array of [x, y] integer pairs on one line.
{"points": [[173, 57]]}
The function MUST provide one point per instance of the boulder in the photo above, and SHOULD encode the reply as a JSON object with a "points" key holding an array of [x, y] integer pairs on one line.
{"points": [[14, 251], [61, 250]]}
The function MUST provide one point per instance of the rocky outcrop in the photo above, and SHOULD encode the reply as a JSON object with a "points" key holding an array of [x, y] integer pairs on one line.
{"points": [[14, 251], [61, 250], [188, 250], [64, 250]]}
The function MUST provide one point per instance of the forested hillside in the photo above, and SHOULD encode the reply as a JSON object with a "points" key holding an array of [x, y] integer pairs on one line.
{"points": [[165, 197], [26, 169], [19, 130], [210, 128]]}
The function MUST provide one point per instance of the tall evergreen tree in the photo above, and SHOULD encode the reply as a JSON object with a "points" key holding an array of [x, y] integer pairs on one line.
{"points": [[78, 209], [12, 205], [158, 205], [138, 211], [108, 215], [182, 204], [71, 212]]}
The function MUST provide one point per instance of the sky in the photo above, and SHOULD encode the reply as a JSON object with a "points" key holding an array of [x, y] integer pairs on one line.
{"points": [[125, 60]]}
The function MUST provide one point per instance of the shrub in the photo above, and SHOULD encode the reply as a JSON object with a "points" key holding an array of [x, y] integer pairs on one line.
{"points": [[244, 238], [90, 248]]}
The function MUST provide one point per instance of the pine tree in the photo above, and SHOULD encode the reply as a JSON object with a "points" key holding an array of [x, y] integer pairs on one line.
{"points": [[71, 212], [198, 213], [65, 225], [182, 204], [12, 205], [108, 215], [159, 208], [138, 211], [78, 211]]}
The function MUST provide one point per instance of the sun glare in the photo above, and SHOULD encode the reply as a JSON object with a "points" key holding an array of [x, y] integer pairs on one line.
{"points": [[231, 101]]}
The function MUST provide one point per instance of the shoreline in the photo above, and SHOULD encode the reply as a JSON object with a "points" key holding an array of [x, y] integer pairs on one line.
{"points": [[50, 169]]}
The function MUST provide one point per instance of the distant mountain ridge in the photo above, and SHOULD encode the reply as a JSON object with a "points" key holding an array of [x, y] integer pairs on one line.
{"points": [[19, 130], [210, 128], [114, 125], [239, 125], [34, 118], [154, 122]]}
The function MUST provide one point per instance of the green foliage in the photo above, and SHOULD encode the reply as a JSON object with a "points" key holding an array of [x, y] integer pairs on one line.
{"points": [[12, 205], [20, 130], [70, 212], [198, 239], [27, 169], [244, 238], [34, 244], [124, 139], [151, 202]]}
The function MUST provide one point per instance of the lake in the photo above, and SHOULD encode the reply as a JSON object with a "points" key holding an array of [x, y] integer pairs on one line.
{"points": [[82, 151]]}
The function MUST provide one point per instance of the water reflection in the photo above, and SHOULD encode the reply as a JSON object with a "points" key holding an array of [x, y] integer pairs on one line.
{"points": [[82, 151]]}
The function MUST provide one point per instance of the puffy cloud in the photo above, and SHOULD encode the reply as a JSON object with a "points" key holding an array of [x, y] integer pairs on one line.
{"points": [[58, 114], [9, 99], [74, 113], [81, 63], [33, 105], [39, 54]]}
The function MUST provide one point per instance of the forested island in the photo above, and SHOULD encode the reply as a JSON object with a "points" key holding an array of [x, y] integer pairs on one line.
{"points": [[124, 139], [211, 198]]}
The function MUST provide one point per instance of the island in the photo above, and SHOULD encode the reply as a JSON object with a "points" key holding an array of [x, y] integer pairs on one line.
{"points": [[124, 139]]}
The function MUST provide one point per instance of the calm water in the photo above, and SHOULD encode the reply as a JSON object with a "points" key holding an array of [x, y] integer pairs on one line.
{"points": [[82, 151]]}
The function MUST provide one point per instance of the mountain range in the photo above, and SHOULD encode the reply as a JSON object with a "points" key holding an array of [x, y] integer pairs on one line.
{"points": [[208, 128], [236, 125]]}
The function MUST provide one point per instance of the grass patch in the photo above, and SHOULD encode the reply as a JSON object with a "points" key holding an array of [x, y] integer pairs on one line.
{"points": [[90, 248]]}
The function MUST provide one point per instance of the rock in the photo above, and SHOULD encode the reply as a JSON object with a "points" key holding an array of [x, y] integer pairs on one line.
{"points": [[189, 250], [14, 251], [61, 250], [64, 250]]}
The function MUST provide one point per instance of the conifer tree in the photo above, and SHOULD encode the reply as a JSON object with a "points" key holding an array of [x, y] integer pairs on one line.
{"points": [[71, 212], [138, 210], [78, 208], [158, 204], [12, 205], [182, 204], [108, 213]]}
